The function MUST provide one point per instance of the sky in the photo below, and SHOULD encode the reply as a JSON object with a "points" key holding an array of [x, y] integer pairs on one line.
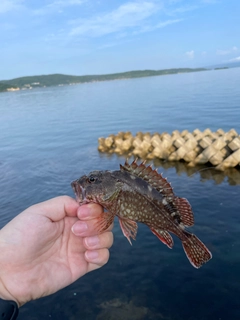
{"points": [[79, 37]]}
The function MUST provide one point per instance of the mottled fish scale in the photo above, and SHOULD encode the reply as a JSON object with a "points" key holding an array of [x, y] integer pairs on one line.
{"points": [[138, 193], [179, 207], [133, 205]]}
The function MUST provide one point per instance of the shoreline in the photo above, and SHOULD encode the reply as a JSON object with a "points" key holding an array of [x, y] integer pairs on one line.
{"points": [[39, 81]]}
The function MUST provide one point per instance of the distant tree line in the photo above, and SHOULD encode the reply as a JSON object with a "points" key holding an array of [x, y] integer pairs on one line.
{"points": [[61, 79], [5, 87]]}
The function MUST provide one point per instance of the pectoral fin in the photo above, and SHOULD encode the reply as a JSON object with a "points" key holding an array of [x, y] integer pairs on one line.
{"points": [[104, 221], [129, 228]]}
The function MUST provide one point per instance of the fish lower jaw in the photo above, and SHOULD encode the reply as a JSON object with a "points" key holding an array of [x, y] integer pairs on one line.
{"points": [[86, 201], [83, 201]]}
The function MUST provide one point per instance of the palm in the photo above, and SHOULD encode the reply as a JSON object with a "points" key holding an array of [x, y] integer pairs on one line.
{"points": [[43, 251]]}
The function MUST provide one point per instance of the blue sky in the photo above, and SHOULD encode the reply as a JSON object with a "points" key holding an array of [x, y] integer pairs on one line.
{"points": [[95, 37]]}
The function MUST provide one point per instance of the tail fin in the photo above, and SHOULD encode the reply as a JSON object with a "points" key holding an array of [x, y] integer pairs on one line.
{"points": [[196, 251]]}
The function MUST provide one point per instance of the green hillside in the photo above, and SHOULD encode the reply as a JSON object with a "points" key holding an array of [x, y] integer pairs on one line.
{"points": [[61, 79], [5, 86]]}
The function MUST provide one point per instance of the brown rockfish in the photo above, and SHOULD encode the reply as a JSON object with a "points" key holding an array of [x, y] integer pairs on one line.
{"points": [[137, 193]]}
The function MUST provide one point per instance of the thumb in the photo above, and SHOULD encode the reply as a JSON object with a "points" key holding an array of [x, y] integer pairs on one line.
{"points": [[56, 208]]}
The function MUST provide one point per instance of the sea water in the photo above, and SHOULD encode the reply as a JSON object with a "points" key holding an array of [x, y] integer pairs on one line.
{"points": [[49, 138]]}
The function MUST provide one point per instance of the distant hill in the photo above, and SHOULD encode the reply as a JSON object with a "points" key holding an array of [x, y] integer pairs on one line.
{"points": [[6, 87], [226, 65], [61, 79]]}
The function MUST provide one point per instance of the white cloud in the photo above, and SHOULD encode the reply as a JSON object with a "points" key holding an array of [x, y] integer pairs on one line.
{"points": [[226, 52], [149, 28], [176, 7], [142, 30], [235, 59], [190, 54], [129, 15], [184, 9], [9, 5], [57, 5]]}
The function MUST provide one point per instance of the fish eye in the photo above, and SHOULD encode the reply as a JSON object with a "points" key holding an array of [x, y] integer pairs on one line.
{"points": [[91, 179]]}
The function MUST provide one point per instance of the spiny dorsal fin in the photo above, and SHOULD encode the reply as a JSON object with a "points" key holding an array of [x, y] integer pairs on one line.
{"points": [[178, 208], [151, 176]]}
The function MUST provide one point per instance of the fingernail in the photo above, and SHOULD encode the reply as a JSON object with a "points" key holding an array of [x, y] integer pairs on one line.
{"points": [[92, 241], [79, 227], [92, 255]]}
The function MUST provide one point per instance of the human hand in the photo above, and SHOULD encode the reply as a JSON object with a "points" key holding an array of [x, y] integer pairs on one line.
{"points": [[46, 247]]}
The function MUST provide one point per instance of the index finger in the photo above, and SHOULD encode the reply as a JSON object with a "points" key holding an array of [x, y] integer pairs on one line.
{"points": [[89, 211]]}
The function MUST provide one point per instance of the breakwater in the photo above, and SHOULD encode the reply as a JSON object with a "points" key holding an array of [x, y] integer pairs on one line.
{"points": [[220, 149]]}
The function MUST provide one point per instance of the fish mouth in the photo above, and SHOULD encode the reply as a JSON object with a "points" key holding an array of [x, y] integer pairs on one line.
{"points": [[80, 192]]}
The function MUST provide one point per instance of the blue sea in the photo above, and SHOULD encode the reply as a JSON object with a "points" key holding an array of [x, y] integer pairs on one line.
{"points": [[49, 137]]}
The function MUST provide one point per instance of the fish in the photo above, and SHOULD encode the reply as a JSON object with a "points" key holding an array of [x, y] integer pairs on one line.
{"points": [[138, 193]]}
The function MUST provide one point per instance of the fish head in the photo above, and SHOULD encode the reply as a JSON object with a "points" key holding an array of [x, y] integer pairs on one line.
{"points": [[97, 186]]}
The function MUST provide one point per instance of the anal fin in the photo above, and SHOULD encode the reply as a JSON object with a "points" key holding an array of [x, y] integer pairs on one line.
{"points": [[129, 228], [164, 236]]}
